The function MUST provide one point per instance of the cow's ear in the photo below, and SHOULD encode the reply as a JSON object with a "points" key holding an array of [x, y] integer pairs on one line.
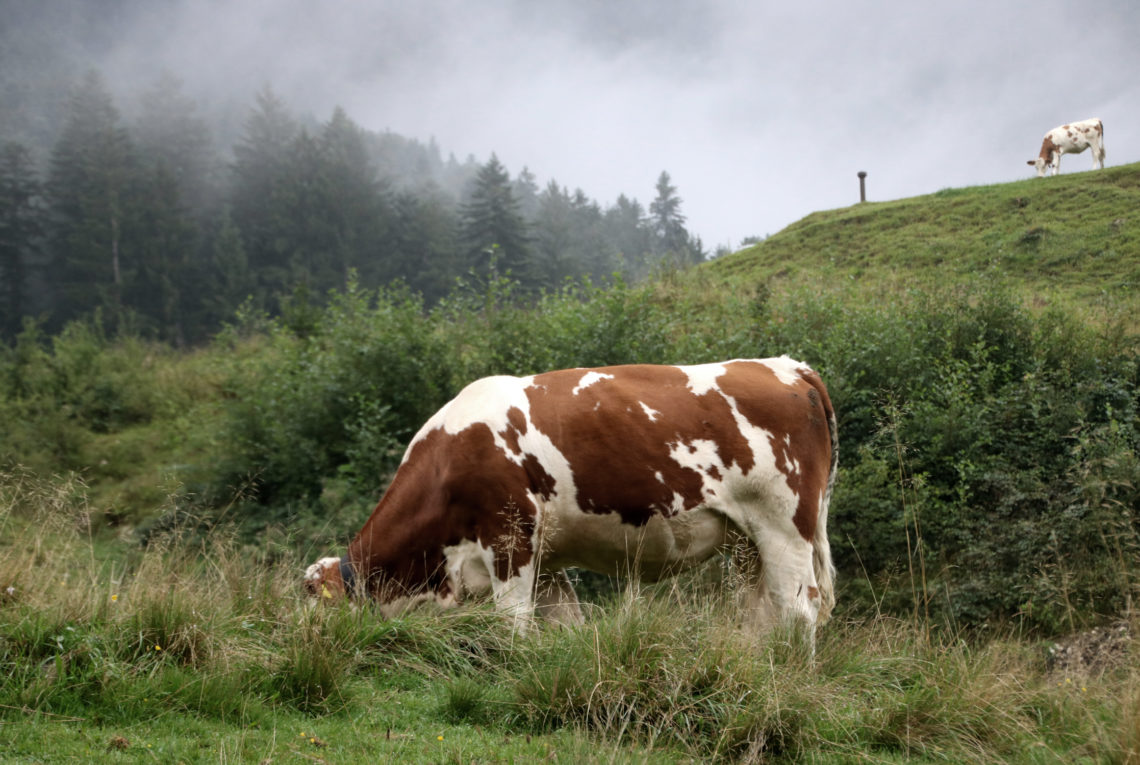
{"points": [[1031, 162]]}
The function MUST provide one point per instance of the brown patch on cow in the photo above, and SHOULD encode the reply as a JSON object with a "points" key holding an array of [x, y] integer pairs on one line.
{"points": [[452, 487], [620, 458], [1047, 149], [813, 592], [516, 427], [542, 483]]}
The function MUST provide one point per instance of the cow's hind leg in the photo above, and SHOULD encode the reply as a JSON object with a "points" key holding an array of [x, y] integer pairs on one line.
{"points": [[555, 599], [781, 587]]}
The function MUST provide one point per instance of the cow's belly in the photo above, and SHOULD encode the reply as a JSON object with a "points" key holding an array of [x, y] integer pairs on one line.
{"points": [[663, 546]]}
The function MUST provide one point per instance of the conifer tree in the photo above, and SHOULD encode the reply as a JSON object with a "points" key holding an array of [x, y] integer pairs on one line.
{"points": [[174, 193], [670, 236], [493, 232], [88, 194], [353, 203], [21, 229], [262, 193]]}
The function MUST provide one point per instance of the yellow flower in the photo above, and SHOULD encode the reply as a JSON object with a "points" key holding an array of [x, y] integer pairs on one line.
{"points": [[439, 738], [114, 598]]}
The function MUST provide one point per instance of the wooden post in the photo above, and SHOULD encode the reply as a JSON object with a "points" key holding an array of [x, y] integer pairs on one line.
{"points": [[862, 185]]}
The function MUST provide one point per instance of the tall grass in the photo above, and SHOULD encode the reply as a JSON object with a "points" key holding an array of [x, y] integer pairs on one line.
{"points": [[206, 631]]}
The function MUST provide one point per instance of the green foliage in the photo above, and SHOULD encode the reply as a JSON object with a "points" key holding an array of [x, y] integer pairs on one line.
{"points": [[55, 395], [357, 385]]}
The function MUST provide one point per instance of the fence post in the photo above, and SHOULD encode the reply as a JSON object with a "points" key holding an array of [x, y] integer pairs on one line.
{"points": [[862, 185]]}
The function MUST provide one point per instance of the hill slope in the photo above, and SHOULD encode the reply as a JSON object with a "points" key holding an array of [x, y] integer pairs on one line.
{"points": [[1073, 239]]}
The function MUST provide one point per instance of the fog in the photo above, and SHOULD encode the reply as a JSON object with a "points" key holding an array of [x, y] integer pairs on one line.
{"points": [[760, 112]]}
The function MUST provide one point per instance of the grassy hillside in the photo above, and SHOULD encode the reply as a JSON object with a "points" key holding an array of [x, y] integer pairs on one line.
{"points": [[1073, 240]]}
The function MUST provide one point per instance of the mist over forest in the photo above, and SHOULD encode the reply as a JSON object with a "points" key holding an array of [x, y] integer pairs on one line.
{"points": [[131, 194]]}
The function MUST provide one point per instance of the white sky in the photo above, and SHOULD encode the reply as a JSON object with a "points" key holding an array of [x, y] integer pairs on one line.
{"points": [[761, 112]]}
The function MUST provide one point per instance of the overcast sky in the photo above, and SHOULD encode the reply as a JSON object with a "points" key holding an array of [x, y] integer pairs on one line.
{"points": [[761, 112]]}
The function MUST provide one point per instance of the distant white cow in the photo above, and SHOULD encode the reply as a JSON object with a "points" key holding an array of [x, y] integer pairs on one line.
{"points": [[1070, 139]]}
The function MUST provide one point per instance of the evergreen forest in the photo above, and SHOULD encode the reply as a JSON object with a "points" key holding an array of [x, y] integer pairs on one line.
{"points": [[148, 224]]}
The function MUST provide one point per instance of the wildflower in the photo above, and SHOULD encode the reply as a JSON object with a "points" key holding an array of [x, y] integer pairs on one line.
{"points": [[439, 738], [114, 598]]}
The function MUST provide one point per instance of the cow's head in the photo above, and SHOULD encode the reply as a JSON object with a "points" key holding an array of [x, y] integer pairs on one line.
{"points": [[324, 580], [1041, 164]]}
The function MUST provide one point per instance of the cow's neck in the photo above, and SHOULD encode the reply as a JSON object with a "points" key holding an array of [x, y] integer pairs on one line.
{"points": [[400, 545]]}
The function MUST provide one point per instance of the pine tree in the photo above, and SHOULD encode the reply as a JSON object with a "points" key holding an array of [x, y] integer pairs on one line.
{"points": [[229, 278], [671, 238], [553, 234], [21, 229], [627, 229], [164, 242], [262, 192], [425, 254], [492, 230], [88, 192], [169, 132], [174, 194], [353, 204]]}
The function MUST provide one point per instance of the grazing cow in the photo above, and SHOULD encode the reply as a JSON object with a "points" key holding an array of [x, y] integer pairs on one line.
{"points": [[629, 469], [1070, 139]]}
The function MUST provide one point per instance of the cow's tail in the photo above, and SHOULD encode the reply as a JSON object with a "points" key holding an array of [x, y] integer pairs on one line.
{"points": [[821, 548], [1100, 144]]}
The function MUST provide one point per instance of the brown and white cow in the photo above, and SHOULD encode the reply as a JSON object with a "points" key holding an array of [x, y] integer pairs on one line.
{"points": [[629, 469], [1070, 139]]}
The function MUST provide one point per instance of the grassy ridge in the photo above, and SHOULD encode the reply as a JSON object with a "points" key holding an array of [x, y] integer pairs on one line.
{"points": [[1072, 240]]}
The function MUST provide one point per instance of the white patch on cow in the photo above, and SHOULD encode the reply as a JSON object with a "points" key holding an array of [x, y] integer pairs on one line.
{"points": [[589, 379], [703, 377], [650, 412], [787, 370], [700, 455], [316, 571], [485, 401]]}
